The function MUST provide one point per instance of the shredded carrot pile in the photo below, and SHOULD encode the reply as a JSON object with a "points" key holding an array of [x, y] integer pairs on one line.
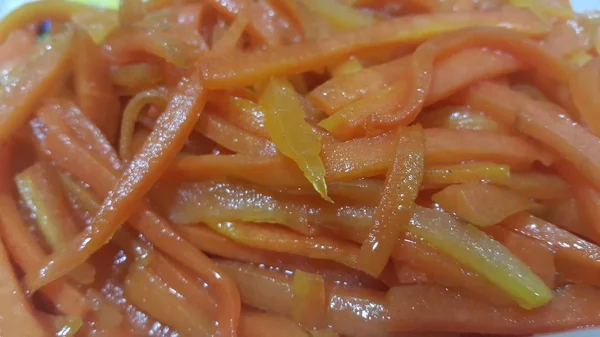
{"points": [[268, 168]]}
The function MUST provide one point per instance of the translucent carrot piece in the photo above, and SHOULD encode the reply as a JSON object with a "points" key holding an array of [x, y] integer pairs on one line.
{"points": [[231, 72], [284, 120], [397, 201], [454, 117], [480, 204], [436, 176], [340, 15], [534, 119], [584, 84], [538, 257], [441, 309], [242, 112], [96, 95], [31, 79], [541, 186], [18, 43], [481, 253], [308, 299], [278, 239], [351, 66], [133, 78]]}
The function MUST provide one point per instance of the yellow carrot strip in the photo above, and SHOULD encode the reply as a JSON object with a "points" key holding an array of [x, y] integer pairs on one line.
{"points": [[397, 201], [292, 135], [481, 253], [31, 79], [240, 69], [440, 175], [309, 299], [339, 15]]}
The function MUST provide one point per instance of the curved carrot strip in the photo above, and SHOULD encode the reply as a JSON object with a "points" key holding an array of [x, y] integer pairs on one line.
{"points": [[292, 135], [339, 91], [436, 176], [131, 113], [84, 165], [397, 201], [534, 119], [584, 86], [441, 309], [482, 205], [233, 71], [31, 79]]}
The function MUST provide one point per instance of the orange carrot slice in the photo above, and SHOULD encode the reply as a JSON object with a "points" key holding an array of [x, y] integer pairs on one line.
{"points": [[584, 84], [309, 299]]}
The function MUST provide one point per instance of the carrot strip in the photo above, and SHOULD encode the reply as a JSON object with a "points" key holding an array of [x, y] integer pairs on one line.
{"points": [[484, 255], [18, 43], [292, 135], [482, 205], [242, 112], [539, 258], [26, 251], [397, 201], [436, 176], [84, 165], [584, 84], [131, 113], [133, 78], [339, 15], [261, 324], [32, 78], [576, 259], [277, 239], [454, 117], [95, 94], [440, 309], [308, 299], [163, 143], [18, 318], [534, 119], [339, 91], [221, 73], [232, 137], [541, 186], [230, 39]]}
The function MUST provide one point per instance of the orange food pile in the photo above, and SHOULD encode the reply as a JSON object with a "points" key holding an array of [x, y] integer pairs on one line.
{"points": [[266, 168]]}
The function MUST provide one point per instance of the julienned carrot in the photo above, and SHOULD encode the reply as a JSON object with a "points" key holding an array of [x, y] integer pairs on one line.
{"points": [[18, 318], [538, 257], [541, 186], [445, 270], [232, 137], [566, 214], [242, 112], [584, 84], [308, 299], [169, 135], [425, 55], [483, 255], [278, 239], [55, 138], [440, 309], [96, 95], [26, 251], [576, 259], [364, 157], [482, 205], [397, 201], [534, 119], [32, 77], [148, 292], [233, 71], [131, 113], [482, 64], [441, 175], [228, 41]]}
